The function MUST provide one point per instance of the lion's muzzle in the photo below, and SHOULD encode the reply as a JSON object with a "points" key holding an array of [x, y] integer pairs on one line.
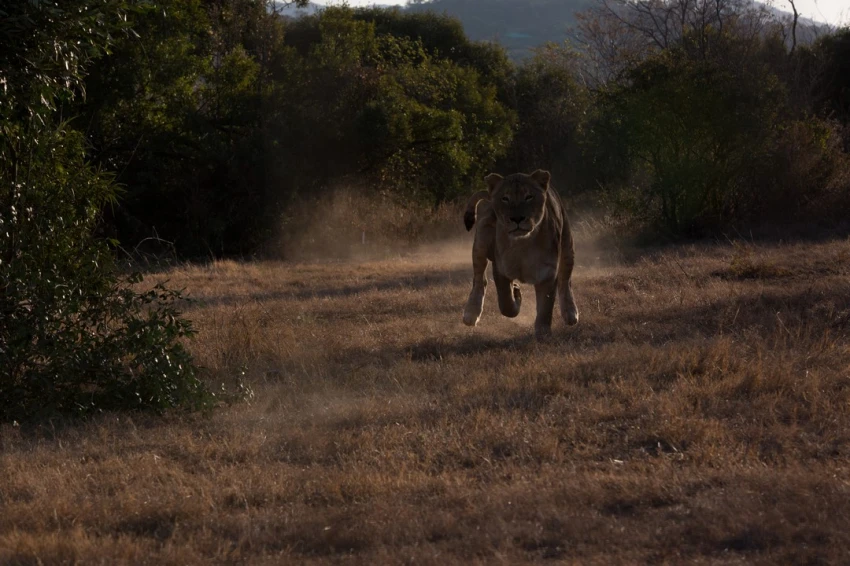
{"points": [[519, 226]]}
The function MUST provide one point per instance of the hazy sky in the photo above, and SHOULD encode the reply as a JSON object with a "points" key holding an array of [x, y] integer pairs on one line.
{"points": [[831, 11], [361, 2]]}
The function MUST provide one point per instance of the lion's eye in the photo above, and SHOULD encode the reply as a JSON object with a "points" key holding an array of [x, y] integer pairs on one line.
{"points": [[528, 197], [506, 199]]}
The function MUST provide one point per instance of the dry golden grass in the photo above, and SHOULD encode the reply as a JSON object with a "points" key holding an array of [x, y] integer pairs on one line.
{"points": [[697, 414]]}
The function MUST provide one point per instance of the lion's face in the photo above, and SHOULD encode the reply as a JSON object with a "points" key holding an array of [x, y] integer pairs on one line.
{"points": [[519, 201]]}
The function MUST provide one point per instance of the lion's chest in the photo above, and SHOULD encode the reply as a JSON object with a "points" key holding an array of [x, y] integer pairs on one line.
{"points": [[527, 263]]}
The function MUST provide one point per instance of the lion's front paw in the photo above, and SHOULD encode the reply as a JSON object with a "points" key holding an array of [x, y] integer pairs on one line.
{"points": [[473, 309], [517, 293]]}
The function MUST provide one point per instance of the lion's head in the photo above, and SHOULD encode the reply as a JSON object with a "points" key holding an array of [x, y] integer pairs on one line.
{"points": [[519, 201]]}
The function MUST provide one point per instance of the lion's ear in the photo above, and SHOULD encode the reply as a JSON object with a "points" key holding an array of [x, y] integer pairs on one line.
{"points": [[492, 181], [542, 177]]}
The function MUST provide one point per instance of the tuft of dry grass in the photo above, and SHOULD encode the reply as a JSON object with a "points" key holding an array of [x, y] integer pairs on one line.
{"points": [[697, 414], [747, 263]]}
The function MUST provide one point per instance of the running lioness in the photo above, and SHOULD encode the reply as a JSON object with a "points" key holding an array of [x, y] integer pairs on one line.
{"points": [[523, 229]]}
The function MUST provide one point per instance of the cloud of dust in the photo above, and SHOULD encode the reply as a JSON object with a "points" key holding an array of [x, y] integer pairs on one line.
{"points": [[354, 223], [350, 223], [598, 243]]}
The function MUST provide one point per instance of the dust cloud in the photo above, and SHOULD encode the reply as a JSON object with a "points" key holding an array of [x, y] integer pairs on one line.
{"points": [[361, 225], [356, 224]]}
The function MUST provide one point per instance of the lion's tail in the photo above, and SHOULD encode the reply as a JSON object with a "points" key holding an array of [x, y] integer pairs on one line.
{"points": [[471, 205]]}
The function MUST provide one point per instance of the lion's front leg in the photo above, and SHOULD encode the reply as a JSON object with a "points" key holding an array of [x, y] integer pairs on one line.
{"points": [[545, 293], [569, 310], [508, 293], [475, 302]]}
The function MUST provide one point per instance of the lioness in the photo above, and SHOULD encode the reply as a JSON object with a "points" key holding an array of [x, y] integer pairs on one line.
{"points": [[523, 229]]}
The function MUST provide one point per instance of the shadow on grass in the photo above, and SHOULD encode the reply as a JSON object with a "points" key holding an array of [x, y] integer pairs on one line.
{"points": [[801, 311], [435, 349], [761, 311], [409, 282]]}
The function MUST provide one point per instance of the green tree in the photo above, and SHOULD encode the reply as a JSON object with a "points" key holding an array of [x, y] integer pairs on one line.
{"points": [[692, 131], [552, 107], [174, 112], [391, 108], [227, 113], [74, 336], [826, 67]]}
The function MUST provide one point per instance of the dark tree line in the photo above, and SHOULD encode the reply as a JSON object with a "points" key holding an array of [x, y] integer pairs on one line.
{"points": [[216, 117]]}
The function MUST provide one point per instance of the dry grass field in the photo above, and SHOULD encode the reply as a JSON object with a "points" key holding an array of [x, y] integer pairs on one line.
{"points": [[699, 413]]}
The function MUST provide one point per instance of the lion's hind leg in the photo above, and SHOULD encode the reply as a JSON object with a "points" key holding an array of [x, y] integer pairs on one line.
{"points": [[545, 305], [569, 310]]}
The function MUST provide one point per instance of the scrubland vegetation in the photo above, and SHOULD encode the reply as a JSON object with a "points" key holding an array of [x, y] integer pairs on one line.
{"points": [[310, 394]]}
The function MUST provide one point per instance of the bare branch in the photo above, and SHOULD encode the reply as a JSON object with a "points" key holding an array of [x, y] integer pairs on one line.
{"points": [[794, 27]]}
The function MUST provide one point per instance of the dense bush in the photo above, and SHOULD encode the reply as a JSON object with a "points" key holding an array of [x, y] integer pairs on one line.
{"points": [[823, 72], [552, 108], [74, 336], [692, 131]]}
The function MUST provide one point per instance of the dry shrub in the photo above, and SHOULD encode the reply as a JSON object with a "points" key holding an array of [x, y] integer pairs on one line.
{"points": [[355, 222], [747, 263], [809, 175]]}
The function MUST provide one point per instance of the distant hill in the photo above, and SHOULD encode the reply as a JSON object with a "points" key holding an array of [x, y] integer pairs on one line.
{"points": [[519, 25], [293, 12]]}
